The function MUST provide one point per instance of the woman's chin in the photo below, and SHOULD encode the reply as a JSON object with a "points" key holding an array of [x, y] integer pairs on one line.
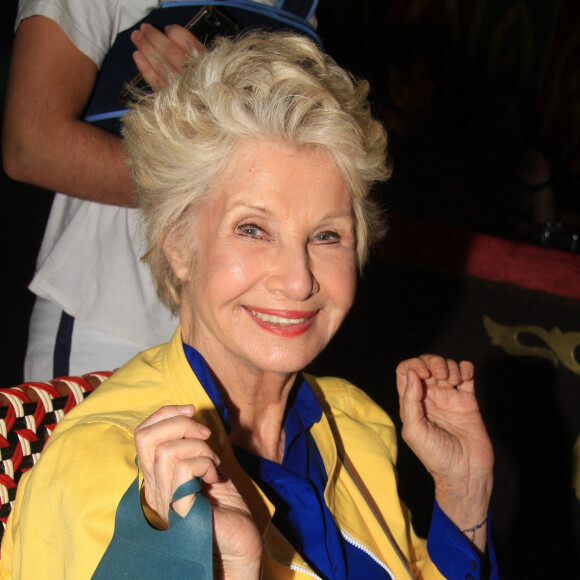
{"points": [[283, 360]]}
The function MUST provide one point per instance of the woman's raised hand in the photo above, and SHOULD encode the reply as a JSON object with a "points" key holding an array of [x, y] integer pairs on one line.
{"points": [[160, 55], [172, 448], [444, 428]]}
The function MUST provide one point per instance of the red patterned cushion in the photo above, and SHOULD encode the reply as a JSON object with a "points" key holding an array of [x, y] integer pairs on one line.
{"points": [[28, 415]]}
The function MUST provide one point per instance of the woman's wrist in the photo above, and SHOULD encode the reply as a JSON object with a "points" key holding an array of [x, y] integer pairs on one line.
{"points": [[466, 504], [472, 531]]}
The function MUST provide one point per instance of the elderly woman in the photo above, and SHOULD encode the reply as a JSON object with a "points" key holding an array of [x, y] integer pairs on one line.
{"points": [[254, 170]]}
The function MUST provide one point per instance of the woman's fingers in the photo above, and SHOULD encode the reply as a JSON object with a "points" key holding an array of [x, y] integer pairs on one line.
{"points": [[411, 404], [427, 366], [433, 372], [466, 370], [167, 412], [173, 456], [446, 372], [172, 449], [167, 424], [416, 364], [202, 467], [164, 478], [170, 424]]}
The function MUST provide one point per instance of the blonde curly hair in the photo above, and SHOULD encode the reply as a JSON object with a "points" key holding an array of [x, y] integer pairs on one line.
{"points": [[273, 86]]}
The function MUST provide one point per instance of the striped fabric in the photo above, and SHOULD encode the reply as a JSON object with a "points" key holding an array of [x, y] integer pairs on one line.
{"points": [[28, 415]]}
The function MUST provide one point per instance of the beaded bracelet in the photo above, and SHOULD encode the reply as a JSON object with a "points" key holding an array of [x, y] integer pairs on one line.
{"points": [[474, 529]]}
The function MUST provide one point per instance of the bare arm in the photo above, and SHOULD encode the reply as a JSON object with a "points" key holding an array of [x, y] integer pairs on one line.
{"points": [[44, 140]]}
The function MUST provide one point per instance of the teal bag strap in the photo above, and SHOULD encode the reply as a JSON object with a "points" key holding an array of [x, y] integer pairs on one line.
{"points": [[139, 551]]}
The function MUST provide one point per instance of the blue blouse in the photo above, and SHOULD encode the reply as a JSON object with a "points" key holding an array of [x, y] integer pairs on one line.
{"points": [[296, 489]]}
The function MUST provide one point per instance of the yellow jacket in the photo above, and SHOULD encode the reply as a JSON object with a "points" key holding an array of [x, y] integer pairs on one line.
{"points": [[63, 518]]}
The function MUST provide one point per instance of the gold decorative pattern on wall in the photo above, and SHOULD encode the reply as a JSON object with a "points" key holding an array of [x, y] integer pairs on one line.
{"points": [[560, 347]]}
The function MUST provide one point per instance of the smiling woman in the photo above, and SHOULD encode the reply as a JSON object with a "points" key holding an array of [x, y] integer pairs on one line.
{"points": [[181, 141], [254, 170], [274, 259]]}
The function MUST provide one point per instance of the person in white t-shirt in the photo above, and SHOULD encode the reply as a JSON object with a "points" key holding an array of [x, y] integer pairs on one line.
{"points": [[96, 306]]}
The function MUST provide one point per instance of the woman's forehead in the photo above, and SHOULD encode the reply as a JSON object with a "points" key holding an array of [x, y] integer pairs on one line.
{"points": [[263, 175]]}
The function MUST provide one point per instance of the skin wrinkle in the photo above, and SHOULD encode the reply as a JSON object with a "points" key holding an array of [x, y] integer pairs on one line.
{"points": [[277, 234]]}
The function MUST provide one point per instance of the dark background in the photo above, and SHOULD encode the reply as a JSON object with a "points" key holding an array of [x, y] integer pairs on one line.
{"points": [[496, 79], [504, 78]]}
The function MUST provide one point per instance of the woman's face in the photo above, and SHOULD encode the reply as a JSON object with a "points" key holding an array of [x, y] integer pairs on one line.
{"points": [[273, 271]]}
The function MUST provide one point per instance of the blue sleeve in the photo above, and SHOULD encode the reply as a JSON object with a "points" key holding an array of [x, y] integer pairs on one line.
{"points": [[454, 556]]}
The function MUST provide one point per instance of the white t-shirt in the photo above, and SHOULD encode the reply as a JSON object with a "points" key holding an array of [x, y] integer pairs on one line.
{"points": [[89, 262]]}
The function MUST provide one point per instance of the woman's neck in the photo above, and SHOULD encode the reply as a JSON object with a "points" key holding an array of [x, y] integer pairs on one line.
{"points": [[255, 398], [256, 402]]}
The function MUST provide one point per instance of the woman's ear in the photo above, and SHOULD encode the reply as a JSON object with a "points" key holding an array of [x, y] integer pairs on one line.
{"points": [[178, 255]]}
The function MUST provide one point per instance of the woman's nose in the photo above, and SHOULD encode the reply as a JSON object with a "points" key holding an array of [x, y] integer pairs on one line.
{"points": [[291, 274]]}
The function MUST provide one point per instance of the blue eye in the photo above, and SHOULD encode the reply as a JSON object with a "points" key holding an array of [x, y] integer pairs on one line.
{"points": [[328, 237], [251, 230]]}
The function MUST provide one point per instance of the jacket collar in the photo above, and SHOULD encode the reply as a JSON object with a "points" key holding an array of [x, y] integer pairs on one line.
{"points": [[342, 494]]}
